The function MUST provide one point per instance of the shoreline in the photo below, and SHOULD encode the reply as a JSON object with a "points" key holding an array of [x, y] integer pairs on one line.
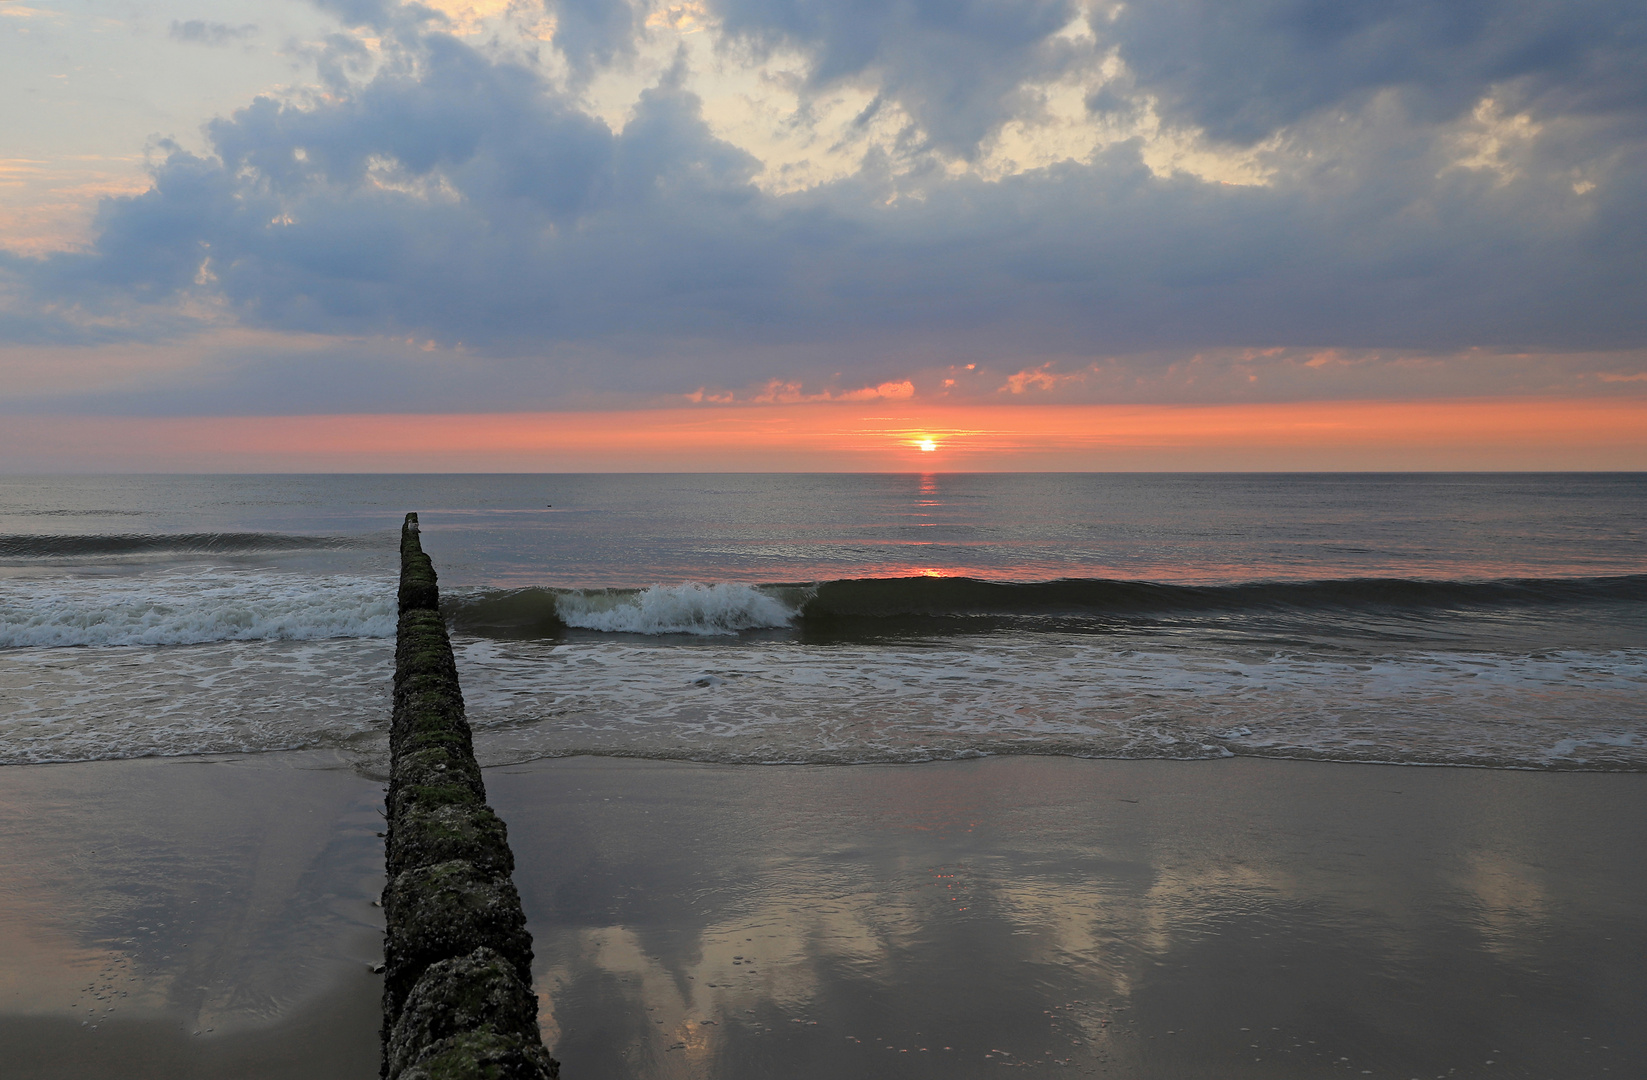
{"points": [[1127, 917]]}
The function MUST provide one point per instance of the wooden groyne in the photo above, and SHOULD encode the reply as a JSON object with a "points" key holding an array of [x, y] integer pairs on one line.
{"points": [[457, 994]]}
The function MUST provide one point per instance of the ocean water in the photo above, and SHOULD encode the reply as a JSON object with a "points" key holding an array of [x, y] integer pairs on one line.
{"points": [[1481, 619]]}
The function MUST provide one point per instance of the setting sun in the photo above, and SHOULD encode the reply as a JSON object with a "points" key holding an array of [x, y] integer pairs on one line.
{"points": [[926, 445]]}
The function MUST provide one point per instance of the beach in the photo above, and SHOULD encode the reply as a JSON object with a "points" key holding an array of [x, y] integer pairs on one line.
{"points": [[1132, 776], [1237, 917], [742, 540], [190, 917]]}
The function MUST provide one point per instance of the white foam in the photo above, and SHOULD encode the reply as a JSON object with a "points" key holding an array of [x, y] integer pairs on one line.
{"points": [[192, 607], [691, 608], [223, 697], [1052, 694]]}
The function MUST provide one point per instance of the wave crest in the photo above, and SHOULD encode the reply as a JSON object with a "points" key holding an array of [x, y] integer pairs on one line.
{"points": [[690, 608]]}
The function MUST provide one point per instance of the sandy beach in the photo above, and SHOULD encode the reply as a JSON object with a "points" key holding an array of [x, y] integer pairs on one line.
{"points": [[1239, 918]]}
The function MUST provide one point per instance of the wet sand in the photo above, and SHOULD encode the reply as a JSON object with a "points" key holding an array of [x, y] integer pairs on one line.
{"points": [[1237, 918], [190, 918]]}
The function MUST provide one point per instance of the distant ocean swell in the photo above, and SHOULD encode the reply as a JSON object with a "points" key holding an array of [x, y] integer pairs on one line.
{"points": [[30, 546], [953, 604]]}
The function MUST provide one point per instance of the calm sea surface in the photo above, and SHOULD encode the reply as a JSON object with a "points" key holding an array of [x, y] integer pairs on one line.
{"points": [[1429, 619]]}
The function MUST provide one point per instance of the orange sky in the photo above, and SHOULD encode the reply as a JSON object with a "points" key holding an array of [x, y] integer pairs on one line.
{"points": [[877, 436]]}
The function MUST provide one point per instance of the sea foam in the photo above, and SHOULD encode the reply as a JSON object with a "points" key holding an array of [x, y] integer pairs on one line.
{"points": [[1063, 694], [216, 698]]}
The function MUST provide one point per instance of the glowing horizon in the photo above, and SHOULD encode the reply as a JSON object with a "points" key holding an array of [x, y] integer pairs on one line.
{"points": [[1480, 434]]}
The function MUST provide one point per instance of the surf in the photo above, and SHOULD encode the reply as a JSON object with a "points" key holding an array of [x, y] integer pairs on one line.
{"points": [[960, 604]]}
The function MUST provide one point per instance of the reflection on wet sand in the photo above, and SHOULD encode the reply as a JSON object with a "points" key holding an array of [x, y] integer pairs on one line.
{"points": [[1238, 918], [193, 917]]}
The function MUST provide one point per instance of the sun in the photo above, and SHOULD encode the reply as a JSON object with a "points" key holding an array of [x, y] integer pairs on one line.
{"points": [[927, 445]]}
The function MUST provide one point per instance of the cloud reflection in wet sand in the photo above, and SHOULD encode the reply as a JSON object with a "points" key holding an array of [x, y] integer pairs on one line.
{"points": [[190, 917], [1243, 918]]}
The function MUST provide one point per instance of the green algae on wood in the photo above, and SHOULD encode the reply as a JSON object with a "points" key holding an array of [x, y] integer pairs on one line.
{"points": [[457, 993], [468, 1016]]}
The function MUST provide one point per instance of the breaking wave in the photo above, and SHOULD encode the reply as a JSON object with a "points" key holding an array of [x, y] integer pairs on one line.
{"points": [[703, 610], [194, 607]]}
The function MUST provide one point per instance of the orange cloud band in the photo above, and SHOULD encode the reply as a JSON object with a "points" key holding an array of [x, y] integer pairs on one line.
{"points": [[882, 435]]}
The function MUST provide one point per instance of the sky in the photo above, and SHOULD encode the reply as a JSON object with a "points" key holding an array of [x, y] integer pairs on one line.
{"points": [[471, 235]]}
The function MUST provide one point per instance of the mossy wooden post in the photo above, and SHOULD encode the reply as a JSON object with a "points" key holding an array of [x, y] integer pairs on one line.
{"points": [[457, 993]]}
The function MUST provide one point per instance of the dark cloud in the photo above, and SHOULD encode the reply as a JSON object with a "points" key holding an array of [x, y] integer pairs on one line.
{"points": [[954, 65], [211, 33], [461, 199], [1243, 69], [378, 14], [591, 33]]}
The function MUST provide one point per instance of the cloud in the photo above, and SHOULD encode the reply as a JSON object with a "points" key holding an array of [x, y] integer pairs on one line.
{"points": [[14, 10], [592, 33], [211, 33], [955, 67], [1420, 180], [777, 392], [1244, 69]]}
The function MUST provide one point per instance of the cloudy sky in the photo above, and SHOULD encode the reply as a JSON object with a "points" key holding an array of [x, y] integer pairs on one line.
{"points": [[814, 233]]}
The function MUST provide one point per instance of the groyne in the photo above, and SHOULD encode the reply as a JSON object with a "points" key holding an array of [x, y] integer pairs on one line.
{"points": [[457, 993]]}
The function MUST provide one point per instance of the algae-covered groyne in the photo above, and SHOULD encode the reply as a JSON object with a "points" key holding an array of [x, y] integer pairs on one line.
{"points": [[457, 995]]}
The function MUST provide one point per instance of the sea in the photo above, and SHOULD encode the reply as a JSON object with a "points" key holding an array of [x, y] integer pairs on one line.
{"points": [[1495, 620]]}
